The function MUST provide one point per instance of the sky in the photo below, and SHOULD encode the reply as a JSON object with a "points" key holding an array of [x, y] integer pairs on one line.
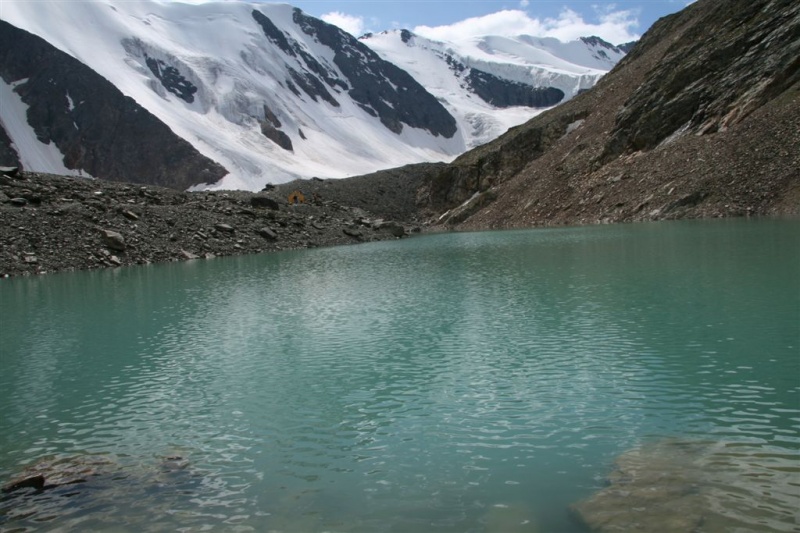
{"points": [[619, 22]]}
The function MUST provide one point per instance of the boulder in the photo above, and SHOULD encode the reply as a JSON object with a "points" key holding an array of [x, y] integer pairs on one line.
{"points": [[264, 201], [356, 234], [130, 215], [113, 240], [392, 227], [268, 234], [11, 172]]}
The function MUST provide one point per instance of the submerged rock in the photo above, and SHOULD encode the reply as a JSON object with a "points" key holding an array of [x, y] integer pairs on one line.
{"points": [[35, 481], [102, 493], [692, 487], [57, 472]]}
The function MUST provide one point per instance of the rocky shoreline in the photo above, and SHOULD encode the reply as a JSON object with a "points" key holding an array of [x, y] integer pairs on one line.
{"points": [[51, 223]]}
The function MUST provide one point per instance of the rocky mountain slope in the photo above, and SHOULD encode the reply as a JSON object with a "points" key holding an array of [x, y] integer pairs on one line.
{"points": [[263, 90], [701, 119]]}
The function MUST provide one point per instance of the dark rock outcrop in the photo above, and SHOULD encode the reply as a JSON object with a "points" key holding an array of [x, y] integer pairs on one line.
{"points": [[8, 155], [97, 128], [491, 164], [261, 200], [273, 33], [601, 46], [311, 85], [277, 136], [506, 93], [387, 194], [171, 79], [503, 93]]}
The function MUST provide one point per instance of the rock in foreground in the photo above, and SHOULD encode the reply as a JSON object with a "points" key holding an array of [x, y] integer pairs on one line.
{"points": [[693, 487]]}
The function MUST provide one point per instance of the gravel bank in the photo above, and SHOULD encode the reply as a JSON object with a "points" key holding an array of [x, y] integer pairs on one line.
{"points": [[54, 223]]}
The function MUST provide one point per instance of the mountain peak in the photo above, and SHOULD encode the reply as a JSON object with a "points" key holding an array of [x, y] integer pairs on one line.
{"points": [[594, 40]]}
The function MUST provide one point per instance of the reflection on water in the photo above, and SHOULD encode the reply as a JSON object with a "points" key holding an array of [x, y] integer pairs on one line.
{"points": [[465, 382]]}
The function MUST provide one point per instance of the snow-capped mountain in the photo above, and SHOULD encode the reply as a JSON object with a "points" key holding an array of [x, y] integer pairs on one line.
{"points": [[492, 83], [265, 93]]}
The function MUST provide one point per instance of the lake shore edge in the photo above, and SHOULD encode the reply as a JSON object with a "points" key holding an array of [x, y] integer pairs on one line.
{"points": [[52, 223]]}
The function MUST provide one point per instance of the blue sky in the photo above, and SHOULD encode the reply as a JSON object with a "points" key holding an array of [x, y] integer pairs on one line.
{"points": [[616, 22]]}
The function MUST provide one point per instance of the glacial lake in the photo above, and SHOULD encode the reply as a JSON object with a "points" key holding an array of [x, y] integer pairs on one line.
{"points": [[470, 382]]}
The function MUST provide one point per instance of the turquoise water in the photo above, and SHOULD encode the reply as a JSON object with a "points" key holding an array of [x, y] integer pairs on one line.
{"points": [[454, 382]]}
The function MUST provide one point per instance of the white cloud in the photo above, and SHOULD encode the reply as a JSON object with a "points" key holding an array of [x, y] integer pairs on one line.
{"points": [[524, 3], [614, 26], [354, 25]]}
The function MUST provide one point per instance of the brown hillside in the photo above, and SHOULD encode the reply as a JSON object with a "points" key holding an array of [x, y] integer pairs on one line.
{"points": [[701, 119]]}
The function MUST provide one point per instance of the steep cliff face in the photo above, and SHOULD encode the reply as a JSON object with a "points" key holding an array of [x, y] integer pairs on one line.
{"points": [[702, 118], [711, 80], [97, 129]]}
